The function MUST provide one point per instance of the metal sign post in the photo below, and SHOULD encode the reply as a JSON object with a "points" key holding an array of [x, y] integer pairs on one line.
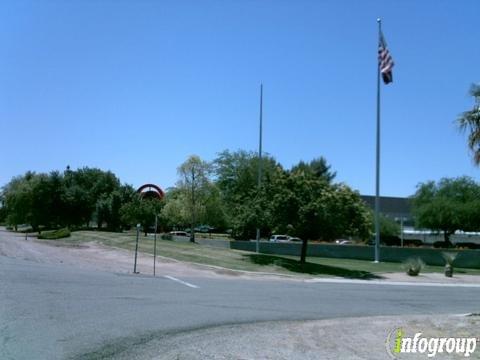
{"points": [[136, 251], [155, 243]]}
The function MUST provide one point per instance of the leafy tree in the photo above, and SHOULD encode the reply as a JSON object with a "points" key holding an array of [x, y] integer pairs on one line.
{"points": [[45, 194], [141, 211], [317, 168], [194, 184], [245, 206], [68, 199], [214, 213], [109, 205], [174, 213], [237, 174], [337, 212], [3, 210], [300, 202], [309, 207], [388, 227], [470, 121], [94, 184], [77, 208], [17, 196], [448, 206]]}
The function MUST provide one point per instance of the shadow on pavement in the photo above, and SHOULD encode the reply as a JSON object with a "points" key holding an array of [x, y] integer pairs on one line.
{"points": [[309, 268]]}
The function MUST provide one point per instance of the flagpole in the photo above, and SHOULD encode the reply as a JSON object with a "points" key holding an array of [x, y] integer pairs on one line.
{"points": [[260, 161], [377, 183]]}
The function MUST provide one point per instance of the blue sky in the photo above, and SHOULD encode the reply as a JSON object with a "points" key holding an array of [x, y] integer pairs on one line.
{"points": [[136, 87]]}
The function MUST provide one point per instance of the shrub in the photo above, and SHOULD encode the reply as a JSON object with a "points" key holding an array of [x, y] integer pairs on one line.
{"points": [[413, 242], [449, 259], [166, 237], [467, 245], [441, 245], [413, 266], [55, 234], [390, 240]]}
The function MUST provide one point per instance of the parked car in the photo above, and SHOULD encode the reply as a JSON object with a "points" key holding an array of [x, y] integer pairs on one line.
{"points": [[280, 238], [179, 233], [344, 242], [295, 239]]}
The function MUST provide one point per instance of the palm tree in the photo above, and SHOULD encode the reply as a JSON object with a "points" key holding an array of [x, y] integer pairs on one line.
{"points": [[470, 121]]}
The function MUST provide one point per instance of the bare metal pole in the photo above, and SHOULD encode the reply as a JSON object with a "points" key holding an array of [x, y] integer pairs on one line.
{"points": [[260, 161], [401, 230], [136, 251], [155, 244], [377, 177], [192, 230]]}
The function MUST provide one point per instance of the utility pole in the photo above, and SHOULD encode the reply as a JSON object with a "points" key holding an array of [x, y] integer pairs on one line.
{"points": [[136, 251]]}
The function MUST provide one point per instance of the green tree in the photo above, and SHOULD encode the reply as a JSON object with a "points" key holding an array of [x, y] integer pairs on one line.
{"points": [[109, 205], [3, 209], [174, 213], [68, 199], [77, 208], [448, 206], [244, 204], [93, 185], [337, 212], [388, 227], [470, 121], [17, 196], [316, 168], [141, 211], [311, 208], [194, 184]]}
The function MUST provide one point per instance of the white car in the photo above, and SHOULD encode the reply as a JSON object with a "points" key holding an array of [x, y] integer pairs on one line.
{"points": [[179, 233], [280, 238], [344, 242]]}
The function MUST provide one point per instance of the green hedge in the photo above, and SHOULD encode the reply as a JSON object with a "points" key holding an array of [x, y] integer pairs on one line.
{"points": [[55, 234]]}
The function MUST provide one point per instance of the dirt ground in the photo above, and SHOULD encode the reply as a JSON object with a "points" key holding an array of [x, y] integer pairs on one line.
{"points": [[95, 256]]}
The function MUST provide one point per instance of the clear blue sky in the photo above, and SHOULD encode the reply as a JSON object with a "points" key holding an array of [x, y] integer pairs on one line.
{"points": [[136, 87]]}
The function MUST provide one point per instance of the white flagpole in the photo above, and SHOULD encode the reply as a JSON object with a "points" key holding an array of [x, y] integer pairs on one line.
{"points": [[377, 183]]}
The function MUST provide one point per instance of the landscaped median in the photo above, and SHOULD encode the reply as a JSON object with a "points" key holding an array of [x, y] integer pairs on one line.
{"points": [[249, 261]]}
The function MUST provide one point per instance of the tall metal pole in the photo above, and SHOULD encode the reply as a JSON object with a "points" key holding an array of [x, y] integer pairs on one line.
{"points": [[192, 230], [155, 244], [260, 161], [136, 251], [401, 230], [377, 183]]}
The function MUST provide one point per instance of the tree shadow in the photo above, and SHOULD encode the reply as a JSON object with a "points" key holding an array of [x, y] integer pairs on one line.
{"points": [[309, 268]]}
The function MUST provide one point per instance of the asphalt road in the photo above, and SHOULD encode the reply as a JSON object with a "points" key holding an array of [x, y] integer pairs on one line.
{"points": [[53, 311]]}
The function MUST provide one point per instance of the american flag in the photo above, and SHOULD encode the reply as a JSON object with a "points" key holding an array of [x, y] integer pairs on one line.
{"points": [[385, 61]]}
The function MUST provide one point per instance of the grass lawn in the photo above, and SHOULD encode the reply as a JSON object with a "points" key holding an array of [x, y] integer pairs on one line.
{"points": [[244, 260]]}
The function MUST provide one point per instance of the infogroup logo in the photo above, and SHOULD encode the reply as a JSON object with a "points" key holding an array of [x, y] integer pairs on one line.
{"points": [[398, 344]]}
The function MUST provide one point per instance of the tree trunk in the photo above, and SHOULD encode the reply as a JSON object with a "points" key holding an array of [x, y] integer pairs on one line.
{"points": [[303, 254], [446, 236]]}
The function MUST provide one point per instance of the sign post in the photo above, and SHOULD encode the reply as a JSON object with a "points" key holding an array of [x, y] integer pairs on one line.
{"points": [[155, 243], [136, 251]]}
